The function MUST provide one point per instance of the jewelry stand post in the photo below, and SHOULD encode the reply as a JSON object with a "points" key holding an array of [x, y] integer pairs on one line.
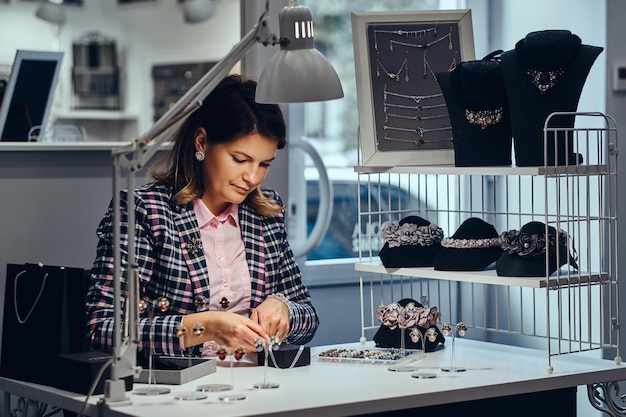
{"points": [[198, 329], [402, 368], [237, 355], [274, 344], [416, 334], [152, 388], [460, 329]]}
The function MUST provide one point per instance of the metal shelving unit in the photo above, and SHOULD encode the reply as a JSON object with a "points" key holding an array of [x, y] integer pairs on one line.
{"points": [[571, 311]]}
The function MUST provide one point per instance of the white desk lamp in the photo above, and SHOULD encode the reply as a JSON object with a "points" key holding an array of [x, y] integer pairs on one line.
{"points": [[296, 73]]}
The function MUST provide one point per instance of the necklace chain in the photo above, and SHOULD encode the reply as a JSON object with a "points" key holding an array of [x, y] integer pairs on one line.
{"points": [[418, 142], [394, 75], [419, 130]]}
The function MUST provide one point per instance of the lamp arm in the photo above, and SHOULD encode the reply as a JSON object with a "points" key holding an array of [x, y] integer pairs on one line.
{"points": [[148, 143]]}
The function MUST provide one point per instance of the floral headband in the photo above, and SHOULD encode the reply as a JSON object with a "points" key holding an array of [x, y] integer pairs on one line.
{"points": [[394, 315], [411, 234], [530, 245]]}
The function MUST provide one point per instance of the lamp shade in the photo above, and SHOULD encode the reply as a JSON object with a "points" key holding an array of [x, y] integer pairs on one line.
{"points": [[197, 11], [51, 12], [298, 72]]}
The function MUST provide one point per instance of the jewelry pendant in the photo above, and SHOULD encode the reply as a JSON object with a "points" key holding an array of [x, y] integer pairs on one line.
{"points": [[224, 302], [544, 80], [193, 246], [484, 118]]}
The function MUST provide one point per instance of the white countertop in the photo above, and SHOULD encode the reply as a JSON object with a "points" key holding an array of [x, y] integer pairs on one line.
{"points": [[356, 388]]}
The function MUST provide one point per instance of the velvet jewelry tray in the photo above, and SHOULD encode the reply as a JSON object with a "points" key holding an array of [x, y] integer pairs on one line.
{"points": [[371, 355]]}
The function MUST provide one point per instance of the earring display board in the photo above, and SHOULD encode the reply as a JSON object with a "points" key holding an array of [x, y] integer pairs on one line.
{"points": [[402, 113], [172, 81]]}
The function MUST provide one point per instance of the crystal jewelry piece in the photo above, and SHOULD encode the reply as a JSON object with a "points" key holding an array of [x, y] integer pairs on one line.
{"points": [[394, 75], [198, 329], [431, 334], [424, 45], [530, 245], [445, 329], [415, 335], [415, 98], [199, 156], [402, 32], [180, 330], [461, 329], [470, 243], [239, 352], [193, 246], [224, 302], [275, 342], [222, 352], [142, 306], [484, 118], [419, 130], [259, 344], [163, 304], [544, 80], [417, 118], [418, 142], [416, 107]]}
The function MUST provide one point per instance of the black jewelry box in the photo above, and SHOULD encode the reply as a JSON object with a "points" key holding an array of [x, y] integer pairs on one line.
{"points": [[77, 371], [287, 356]]}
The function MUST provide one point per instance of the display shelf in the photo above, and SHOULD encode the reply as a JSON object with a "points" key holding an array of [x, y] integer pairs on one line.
{"points": [[98, 115], [575, 309], [488, 170], [560, 279]]}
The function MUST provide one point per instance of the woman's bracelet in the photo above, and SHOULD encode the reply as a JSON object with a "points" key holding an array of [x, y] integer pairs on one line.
{"points": [[282, 299]]}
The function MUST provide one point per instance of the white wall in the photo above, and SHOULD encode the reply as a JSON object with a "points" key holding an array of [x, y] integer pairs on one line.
{"points": [[145, 34]]}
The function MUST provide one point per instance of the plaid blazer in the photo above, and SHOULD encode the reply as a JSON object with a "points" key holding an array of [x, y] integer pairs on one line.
{"points": [[171, 264]]}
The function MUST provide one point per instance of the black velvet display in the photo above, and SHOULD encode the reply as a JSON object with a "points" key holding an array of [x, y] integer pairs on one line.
{"points": [[388, 338], [514, 265], [561, 53], [407, 256], [477, 86], [469, 259]]}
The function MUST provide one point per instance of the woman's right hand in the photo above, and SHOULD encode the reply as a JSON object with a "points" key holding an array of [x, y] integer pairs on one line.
{"points": [[226, 329]]}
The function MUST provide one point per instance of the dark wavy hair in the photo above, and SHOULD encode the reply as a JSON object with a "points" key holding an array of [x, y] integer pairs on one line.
{"points": [[228, 113]]}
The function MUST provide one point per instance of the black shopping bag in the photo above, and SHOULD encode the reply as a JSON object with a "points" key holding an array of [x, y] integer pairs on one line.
{"points": [[44, 316]]}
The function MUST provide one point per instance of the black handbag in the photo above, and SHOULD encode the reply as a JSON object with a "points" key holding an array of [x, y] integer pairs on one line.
{"points": [[44, 316]]}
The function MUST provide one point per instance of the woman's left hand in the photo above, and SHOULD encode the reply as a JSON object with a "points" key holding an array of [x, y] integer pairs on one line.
{"points": [[273, 316]]}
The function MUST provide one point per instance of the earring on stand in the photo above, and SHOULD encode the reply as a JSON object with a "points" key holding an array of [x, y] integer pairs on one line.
{"points": [[237, 355], [152, 388], [181, 331], [461, 330], [273, 345], [430, 334]]}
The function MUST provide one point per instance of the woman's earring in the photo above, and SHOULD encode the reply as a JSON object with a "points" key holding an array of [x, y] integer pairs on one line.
{"points": [[200, 156]]}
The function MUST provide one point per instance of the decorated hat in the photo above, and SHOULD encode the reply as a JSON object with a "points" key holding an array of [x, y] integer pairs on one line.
{"points": [[389, 333], [473, 247], [524, 251], [412, 242]]}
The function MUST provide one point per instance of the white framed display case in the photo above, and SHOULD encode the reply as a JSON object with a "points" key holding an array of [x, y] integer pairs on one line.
{"points": [[570, 311]]}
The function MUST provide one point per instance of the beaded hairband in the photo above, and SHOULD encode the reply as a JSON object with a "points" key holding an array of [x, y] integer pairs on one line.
{"points": [[470, 243], [411, 234], [530, 245]]}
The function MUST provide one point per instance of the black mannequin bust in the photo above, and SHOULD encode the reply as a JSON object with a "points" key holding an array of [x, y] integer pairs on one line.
{"points": [[479, 115], [545, 73]]}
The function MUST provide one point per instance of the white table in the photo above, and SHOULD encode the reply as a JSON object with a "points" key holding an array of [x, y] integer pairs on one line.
{"points": [[340, 389]]}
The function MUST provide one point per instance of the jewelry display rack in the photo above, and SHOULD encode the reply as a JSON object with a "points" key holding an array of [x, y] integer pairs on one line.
{"points": [[572, 310]]}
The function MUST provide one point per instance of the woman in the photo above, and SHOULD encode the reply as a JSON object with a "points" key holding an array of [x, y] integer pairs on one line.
{"points": [[215, 267]]}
